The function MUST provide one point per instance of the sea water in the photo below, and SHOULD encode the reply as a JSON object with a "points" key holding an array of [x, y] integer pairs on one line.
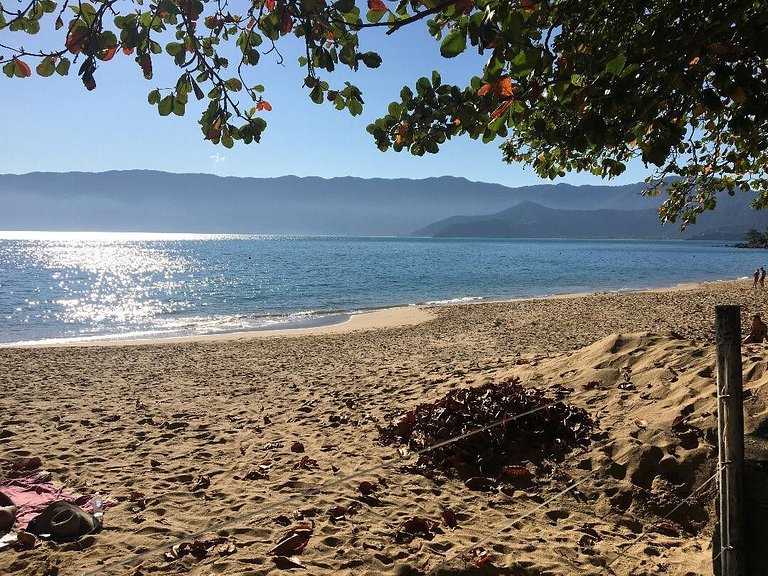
{"points": [[90, 286]]}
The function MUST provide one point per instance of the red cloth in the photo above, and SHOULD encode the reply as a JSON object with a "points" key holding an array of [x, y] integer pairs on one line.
{"points": [[34, 493]]}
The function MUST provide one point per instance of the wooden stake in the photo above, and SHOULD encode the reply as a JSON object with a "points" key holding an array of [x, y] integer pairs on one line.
{"points": [[730, 421]]}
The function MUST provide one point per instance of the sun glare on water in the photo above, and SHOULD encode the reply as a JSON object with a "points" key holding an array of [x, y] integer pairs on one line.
{"points": [[86, 279], [113, 236]]}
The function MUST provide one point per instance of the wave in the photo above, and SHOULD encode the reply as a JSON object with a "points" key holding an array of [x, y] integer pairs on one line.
{"points": [[461, 300]]}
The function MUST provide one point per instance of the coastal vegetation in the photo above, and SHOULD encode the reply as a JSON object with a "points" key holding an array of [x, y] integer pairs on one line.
{"points": [[566, 85], [755, 239]]}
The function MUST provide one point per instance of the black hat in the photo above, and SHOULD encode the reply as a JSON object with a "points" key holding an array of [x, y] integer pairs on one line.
{"points": [[63, 521]]}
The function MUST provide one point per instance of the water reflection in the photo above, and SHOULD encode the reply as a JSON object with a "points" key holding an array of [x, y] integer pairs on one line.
{"points": [[86, 283]]}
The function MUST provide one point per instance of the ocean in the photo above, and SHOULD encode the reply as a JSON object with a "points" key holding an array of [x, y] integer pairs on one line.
{"points": [[72, 286]]}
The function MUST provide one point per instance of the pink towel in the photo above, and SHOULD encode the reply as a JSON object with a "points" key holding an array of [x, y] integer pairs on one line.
{"points": [[34, 493]]}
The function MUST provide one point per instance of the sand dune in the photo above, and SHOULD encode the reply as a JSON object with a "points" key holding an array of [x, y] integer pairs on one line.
{"points": [[201, 433]]}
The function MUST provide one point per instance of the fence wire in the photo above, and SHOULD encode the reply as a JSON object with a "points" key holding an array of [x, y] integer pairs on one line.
{"points": [[401, 458], [398, 460], [668, 514], [562, 493]]}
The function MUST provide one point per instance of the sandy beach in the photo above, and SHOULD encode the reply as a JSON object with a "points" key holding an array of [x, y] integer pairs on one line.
{"points": [[197, 440]]}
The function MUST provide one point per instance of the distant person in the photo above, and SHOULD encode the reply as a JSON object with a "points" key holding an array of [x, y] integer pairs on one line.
{"points": [[762, 277], [756, 276], [757, 332]]}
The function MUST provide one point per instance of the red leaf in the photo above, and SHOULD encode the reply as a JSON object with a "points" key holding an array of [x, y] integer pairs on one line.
{"points": [[191, 9], [517, 472], [108, 54], [501, 110], [75, 39], [22, 68], [478, 556], [127, 51], [367, 488], [528, 5], [415, 526], [337, 514], [287, 23], [482, 484], [503, 87], [464, 6], [27, 462], [376, 6], [293, 541], [270, 4], [89, 81], [145, 61]]}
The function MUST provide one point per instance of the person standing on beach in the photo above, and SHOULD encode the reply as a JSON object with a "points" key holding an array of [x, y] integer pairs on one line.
{"points": [[756, 276], [762, 277]]}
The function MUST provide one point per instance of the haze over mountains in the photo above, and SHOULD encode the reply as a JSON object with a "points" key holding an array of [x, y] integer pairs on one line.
{"points": [[149, 201]]}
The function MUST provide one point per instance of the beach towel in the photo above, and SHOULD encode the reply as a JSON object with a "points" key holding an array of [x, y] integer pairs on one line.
{"points": [[34, 493]]}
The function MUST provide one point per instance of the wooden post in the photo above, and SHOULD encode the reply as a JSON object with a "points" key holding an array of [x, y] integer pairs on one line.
{"points": [[730, 420]]}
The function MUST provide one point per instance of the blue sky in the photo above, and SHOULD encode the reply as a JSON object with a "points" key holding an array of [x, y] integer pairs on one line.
{"points": [[54, 124]]}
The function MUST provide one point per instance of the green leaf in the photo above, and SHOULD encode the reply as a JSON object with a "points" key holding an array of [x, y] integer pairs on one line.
{"points": [[46, 67], [153, 97], [374, 16], [423, 86], [165, 107], [616, 65], [174, 48], [32, 27], [316, 95], [234, 85], [453, 44], [198, 92], [344, 6], [62, 68], [355, 107], [371, 59]]}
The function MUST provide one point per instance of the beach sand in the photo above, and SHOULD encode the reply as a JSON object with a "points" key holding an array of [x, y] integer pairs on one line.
{"points": [[178, 426]]}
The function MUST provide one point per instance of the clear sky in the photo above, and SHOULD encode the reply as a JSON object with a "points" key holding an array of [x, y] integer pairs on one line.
{"points": [[55, 124]]}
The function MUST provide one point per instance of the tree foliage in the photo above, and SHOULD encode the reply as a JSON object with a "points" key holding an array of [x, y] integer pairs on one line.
{"points": [[755, 239], [568, 85]]}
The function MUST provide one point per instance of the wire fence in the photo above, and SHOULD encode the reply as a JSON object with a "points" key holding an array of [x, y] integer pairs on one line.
{"points": [[402, 458], [668, 515]]}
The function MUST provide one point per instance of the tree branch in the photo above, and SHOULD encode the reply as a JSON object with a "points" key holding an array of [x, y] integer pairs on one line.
{"points": [[397, 24]]}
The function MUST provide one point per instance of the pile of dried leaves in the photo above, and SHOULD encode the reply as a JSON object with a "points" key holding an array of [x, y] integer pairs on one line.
{"points": [[546, 433]]}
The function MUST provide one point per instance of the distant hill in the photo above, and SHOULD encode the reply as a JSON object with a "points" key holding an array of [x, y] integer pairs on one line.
{"points": [[142, 200], [533, 220]]}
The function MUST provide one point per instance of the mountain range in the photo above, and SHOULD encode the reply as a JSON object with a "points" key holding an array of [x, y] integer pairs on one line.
{"points": [[151, 201]]}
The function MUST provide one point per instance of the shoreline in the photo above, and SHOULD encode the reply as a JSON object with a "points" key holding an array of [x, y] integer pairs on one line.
{"points": [[371, 319]]}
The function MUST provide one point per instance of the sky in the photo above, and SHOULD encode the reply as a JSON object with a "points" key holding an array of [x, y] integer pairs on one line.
{"points": [[54, 124]]}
